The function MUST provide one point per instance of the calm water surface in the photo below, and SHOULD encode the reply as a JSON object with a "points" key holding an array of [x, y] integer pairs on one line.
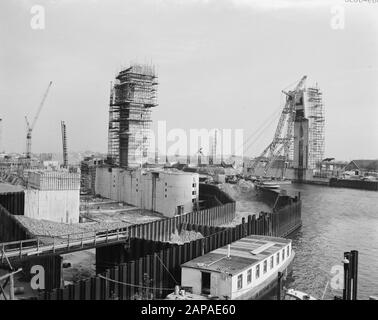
{"points": [[335, 220]]}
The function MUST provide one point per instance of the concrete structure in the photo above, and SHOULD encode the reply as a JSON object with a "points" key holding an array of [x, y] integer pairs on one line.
{"points": [[88, 173], [165, 191], [300, 144], [131, 99], [316, 137], [300, 165], [53, 195], [243, 270]]}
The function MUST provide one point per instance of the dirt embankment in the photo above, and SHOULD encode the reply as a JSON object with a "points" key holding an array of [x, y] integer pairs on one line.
{"points": [[247, 201], [185, 236]]}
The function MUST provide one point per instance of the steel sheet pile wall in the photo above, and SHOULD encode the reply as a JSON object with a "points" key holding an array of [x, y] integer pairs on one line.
{"points": [[161, 230], [207, 191], [13, 201], [355, 184], [10, 228], [289, 219], [268, 196], [144, 273]]}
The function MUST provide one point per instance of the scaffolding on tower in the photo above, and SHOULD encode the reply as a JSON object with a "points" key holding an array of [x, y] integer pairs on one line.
{"points": [[132, 96], [315, 114]]}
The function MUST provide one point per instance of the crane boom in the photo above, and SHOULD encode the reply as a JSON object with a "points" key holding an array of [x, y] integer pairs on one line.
{"points": [[64, 142], [282, 138], [30, 127], [41, 105]]}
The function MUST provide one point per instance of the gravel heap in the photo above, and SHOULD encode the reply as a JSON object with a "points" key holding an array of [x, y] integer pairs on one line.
{"points": [[47, 229], [184, 236]]}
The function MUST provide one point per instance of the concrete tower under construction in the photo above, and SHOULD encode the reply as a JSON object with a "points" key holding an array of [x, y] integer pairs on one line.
{"points": [[315, 115], [133, 94]]}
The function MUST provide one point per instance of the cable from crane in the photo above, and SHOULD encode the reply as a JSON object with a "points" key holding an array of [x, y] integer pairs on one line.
{"points": [[265, 125], [261, 127], [260, 134]]}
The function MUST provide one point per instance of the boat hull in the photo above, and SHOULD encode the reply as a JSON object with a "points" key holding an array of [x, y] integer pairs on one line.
{"points": [[263, 290]]}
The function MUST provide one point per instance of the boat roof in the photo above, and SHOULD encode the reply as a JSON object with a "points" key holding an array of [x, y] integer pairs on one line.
{"points": [[245, 253]]}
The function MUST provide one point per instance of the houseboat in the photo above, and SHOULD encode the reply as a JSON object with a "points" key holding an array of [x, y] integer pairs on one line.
{"points": [[245, 270]]}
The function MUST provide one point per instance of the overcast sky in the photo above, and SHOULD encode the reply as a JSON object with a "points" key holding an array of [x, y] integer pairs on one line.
{"points": [[221, 64]]}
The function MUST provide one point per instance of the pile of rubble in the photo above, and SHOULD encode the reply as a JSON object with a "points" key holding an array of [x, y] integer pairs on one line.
{"points": [[47, 230], [184, 236]]}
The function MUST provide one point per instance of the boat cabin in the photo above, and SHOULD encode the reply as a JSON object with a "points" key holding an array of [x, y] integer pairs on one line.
{"points": [[238, 270]]}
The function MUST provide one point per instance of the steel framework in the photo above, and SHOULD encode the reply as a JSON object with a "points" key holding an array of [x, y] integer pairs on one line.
{"points": [[284, 135]]}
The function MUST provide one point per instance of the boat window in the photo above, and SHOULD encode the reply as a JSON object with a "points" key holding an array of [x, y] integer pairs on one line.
{"points": [[249, 276], [288, 251], [265, 266], [240, 281], [283, 254], [257, 271], [278, 258], [271, 262]]}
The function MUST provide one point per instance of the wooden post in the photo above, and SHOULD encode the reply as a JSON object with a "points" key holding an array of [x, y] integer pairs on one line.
{"points": [[11, 287], [279, 278], [346, 292], [354, 267]]}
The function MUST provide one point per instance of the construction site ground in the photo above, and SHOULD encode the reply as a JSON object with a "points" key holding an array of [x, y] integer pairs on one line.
{"points": [[80, 265], [96, 214]]}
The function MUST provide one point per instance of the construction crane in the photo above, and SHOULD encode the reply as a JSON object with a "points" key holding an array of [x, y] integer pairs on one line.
{"points": [[283, 136], [31, 127], [64, 143]]}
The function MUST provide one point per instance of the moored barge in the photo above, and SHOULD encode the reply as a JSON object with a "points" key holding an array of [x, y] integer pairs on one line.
{"points": [[245, 270]]}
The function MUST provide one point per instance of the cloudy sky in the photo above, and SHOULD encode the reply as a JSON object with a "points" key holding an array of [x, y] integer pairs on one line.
{"points": [[221, 64]]}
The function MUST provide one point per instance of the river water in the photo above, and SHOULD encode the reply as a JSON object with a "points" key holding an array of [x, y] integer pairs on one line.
{"points": [[334, 220]]}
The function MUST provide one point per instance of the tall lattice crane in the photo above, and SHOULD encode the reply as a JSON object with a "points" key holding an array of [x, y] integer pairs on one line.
{"points": [[64, 143], [283, 136], [31, 127]]}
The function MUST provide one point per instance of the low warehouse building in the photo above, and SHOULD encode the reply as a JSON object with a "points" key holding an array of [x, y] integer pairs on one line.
{"points": [[164, 191]]}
